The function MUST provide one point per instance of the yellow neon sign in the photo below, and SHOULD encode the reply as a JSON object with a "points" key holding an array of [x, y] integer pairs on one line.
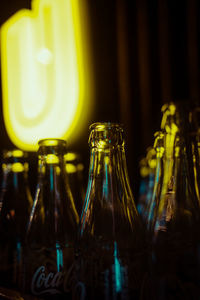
{"points": [[45, 63]]}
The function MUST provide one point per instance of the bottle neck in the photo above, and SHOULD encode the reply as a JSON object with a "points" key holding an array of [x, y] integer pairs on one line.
{"points": [[53, 178], [15, 174], [51, 167], [171, 166], [171, 158], [151, 210], [53, 217], [108, 169], [168, 204], [109, 207], [51, 157]]}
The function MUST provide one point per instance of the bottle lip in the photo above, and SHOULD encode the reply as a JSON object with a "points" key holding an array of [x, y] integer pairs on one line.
{"points": [[106, 135], [159, 140], [16, 153], [49, 142], [170, 107], [52, 146], [99, 126]]}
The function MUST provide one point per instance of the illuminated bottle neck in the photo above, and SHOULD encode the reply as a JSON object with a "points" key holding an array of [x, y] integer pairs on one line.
{"points": [[107, 159], [153, 203], [51, 168], [52, 146], [54, 211], [51, 155], [14, 168], [109, 198], [173, 181]]}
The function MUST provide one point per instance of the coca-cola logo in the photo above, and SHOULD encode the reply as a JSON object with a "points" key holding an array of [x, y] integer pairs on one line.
{"points": [[53, 283], [57, 283]]}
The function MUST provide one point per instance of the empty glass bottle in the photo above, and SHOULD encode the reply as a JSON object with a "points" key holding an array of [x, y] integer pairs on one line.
{"points": [[111, 260], [52, 228], [174, 243], [15, 206]]}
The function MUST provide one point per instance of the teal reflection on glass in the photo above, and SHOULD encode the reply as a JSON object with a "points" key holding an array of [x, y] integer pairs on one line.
{"points": [[18, 251], [153, 200], [117, 267], [51, 179], [105, 183], [15, 179], [86, 204], [59, 254]]}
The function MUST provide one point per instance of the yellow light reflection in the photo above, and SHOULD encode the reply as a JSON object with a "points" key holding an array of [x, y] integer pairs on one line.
{"points": [[13, 153], [70, 168], [45, 64], [144, 167], [17, 167], [70, 156], [52, 159]]}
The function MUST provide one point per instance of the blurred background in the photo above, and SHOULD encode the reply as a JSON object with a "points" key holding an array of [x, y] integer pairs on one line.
{"points": [[144, 53]]}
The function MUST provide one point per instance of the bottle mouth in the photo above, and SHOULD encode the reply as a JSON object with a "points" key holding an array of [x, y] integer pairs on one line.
{"points": [[106, 135], [159, 140], [52, 142], [52, 146], [170, 107], [100, 126]]}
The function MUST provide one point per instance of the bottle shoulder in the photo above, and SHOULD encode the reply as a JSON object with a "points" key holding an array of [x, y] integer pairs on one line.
{"points": [[53, 217], [109, 221]]}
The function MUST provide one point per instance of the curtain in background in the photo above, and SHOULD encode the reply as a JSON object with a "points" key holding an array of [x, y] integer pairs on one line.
{"points": [[145, 53]]}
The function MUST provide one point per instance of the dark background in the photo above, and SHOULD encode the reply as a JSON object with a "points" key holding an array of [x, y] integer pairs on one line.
{"points": [[145, 53]]}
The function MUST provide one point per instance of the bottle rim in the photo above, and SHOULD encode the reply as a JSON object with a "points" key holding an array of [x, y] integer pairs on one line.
{"points": [[49, 142], [99, 126], [106, 135]]}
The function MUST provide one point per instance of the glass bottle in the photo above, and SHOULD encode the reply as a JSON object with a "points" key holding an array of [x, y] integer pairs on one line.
{"points": [[164, 210], [74, 168], [174, 244], [52, 228], [15, 205], [110, 263], [176, 254]]}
